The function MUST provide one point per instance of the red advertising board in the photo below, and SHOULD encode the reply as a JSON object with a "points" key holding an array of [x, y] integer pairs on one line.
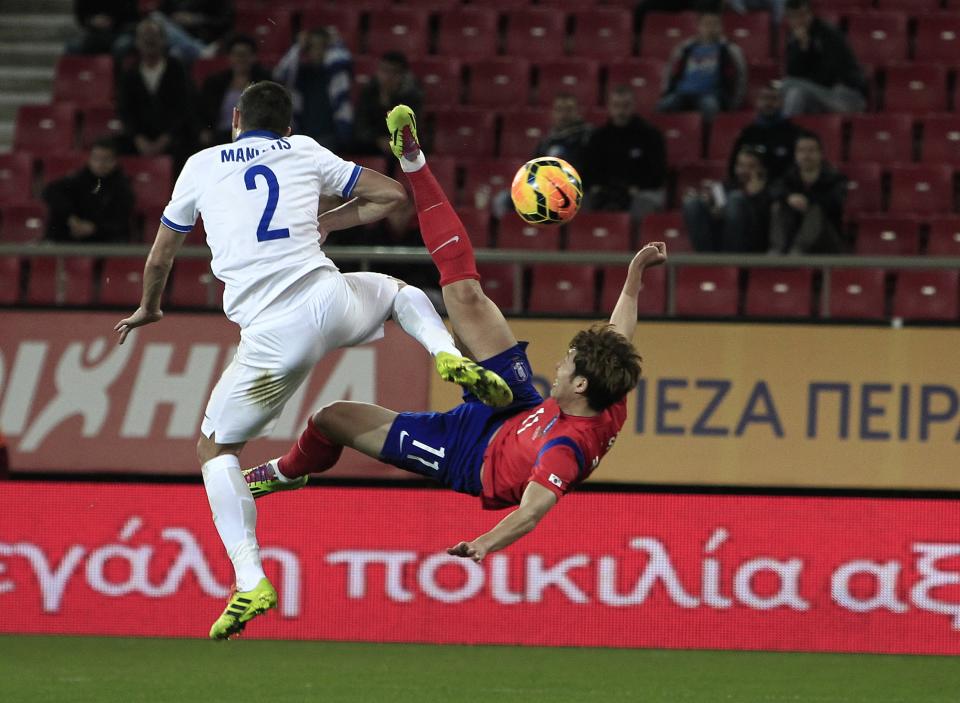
{"points": [[619, 570], [72, 400]]}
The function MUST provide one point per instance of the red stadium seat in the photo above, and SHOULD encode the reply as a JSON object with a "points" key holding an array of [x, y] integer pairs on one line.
{"points": [[272, 29], [881, 138], [652, 301], [401, 29], [572, 5], [151, 178], [45, 129], [9, 280], [67, 281], [499, 82], [881, 235], [779, 292], [682, 132], [577, 77], [463, 132], [830, 130], [345, 18], [707, 291], [599, 231], [857, 294], [912, 7], [944, 236], [56, 166], [878, 38], [864, 188], [693, 176], [468, 33], [121, 282], [485, 178], [99, 122], [724, 131], [444, 169], [926, 189], [506, 5], [84, 80], [22, 223], [663, 31], [522, 131], [820, 6], [938, 38], [514, 233], [645, 76], [364, 67], [503, 284], [563, 288], [926, 295], [476, 222], [666, 227], [439, 78], [750, 32], [193, 285], [206, 66], [759, 75], [916, 88], [941, 140], [535, 33], [603, 33], [374, 163], [16, 177]]}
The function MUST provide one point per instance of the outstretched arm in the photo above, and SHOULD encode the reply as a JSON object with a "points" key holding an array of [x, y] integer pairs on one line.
{"points": [[374, 197], [534, 504], [624, 316], [155, 273]]}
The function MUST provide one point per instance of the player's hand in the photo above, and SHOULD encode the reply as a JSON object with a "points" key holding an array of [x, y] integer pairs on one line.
{"points": [[653, 254], [138, 319], [468, 550]]}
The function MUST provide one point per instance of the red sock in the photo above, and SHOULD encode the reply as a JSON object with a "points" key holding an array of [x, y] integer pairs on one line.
{"points": [[313, 453], [442, 231]]}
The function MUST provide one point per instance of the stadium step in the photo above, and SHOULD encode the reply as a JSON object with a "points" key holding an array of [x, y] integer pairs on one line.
{"points": [[15, 53], [34, 27], [25, 79], [63, 7]]}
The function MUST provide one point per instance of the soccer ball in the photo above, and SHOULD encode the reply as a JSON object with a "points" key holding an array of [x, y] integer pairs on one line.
{"points": [[546, 191]]}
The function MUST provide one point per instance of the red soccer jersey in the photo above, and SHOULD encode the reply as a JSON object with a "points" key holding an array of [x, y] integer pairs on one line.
{"points": [[547, 446]]}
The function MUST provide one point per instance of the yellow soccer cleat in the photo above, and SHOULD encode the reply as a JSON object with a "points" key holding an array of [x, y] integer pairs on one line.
{"points": [[402, 125], [243, 607], [483, 383]]}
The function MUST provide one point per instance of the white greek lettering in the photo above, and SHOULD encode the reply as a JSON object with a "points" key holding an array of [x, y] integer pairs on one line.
{"points": [[711, 572], [52, 582], [787, 571], [500, 580], [426, 576], [22, 388], [357, 561], [540, 579], [289, 579], [931, 577], [885, 575]]}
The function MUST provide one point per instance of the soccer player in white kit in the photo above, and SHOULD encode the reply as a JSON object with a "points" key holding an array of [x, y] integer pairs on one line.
{"points": [[259, 198]]}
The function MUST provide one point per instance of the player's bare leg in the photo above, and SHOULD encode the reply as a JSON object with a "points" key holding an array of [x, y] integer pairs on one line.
{"points": [[476, 320], [235, 516]]}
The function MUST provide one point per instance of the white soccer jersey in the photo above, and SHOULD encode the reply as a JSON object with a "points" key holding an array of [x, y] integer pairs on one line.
{"points": [[259, 197]]}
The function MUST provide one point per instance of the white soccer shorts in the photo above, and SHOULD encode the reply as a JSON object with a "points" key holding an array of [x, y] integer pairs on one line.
{"points": [[276, 355]]}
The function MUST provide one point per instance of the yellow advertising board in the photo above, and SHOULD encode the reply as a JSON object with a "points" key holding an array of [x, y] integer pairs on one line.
{"points": [[778, 405]]}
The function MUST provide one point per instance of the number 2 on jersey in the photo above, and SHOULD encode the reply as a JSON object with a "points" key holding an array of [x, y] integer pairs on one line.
{"points": [[264, 233]]}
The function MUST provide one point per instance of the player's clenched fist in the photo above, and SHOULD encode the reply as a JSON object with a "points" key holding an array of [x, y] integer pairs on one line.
{"points": [[468, 550]]}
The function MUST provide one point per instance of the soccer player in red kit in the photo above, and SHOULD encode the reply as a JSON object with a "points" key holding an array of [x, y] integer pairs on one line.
{"points": [[528, 454]]}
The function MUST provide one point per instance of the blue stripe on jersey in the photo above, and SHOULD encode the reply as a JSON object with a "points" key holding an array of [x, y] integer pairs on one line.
{"points": [[565, 442], [354, 177], [266, 133], [182, 229]]}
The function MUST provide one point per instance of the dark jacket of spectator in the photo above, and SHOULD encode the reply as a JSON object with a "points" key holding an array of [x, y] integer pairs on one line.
{"points": [[773, 138], [369, 127], [101, 22], [632, 156], [107, 202], [829, 191], [731, 72], [211, 18], [828, 59], [211, 99], [169, 110], [568, 143]]}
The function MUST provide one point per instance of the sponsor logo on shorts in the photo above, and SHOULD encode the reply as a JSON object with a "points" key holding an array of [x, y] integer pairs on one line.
{"points": [[520, 370], [556, 480]]}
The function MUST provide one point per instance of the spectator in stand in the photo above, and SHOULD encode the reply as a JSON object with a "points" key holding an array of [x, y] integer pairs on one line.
{"points": [[706, 72], [221, 91], [734, 217], [807, 213], [771, 134], [94, 204], [569, 132], [774, 7], [194, 27], [155, 98], [317, 71], [822, 73], [102, 23], [625, 162], [392, 85]]}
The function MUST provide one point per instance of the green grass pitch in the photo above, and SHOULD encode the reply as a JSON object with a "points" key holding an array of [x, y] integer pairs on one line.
{"points": [[36, 669]]}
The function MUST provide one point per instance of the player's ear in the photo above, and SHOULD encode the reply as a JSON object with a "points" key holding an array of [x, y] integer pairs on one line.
{"points": [[289, 131], [235, 122]]}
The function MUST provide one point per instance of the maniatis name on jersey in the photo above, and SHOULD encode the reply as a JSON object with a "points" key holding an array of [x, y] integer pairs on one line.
{"points": [[243, 154]]}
